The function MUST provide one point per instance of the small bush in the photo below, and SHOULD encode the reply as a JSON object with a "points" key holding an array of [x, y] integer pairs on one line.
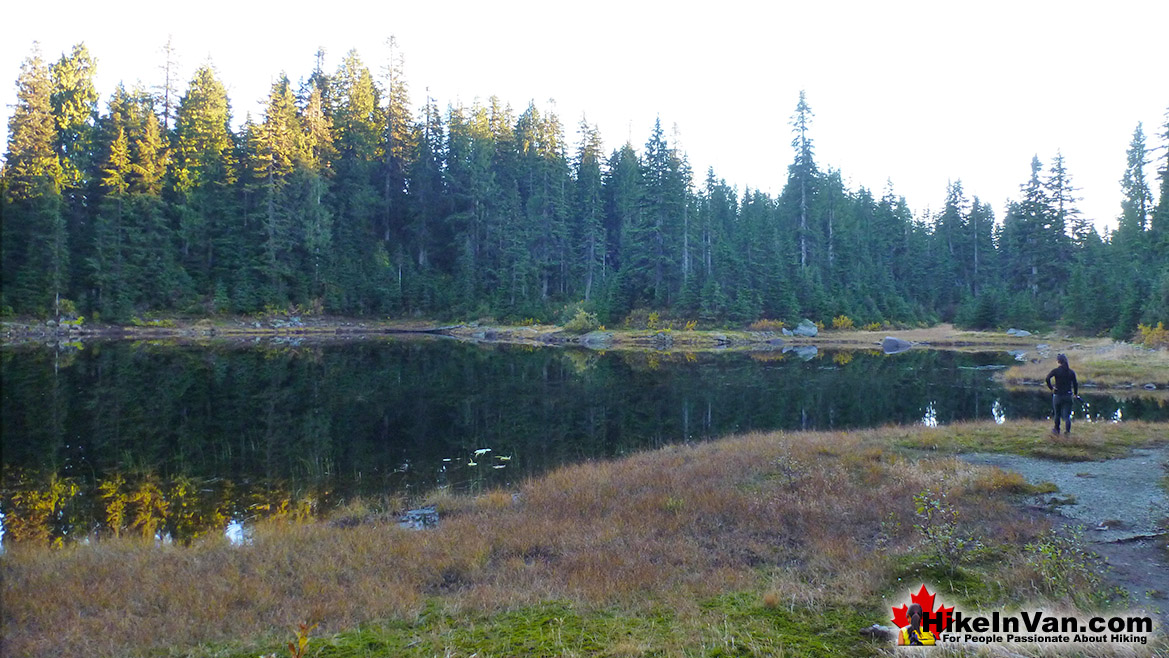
{"points": [[842, 323], [1065, 569], [938, 526], [766, 325], [1153, 337], [872, 326], [165, 323], [582, 323]]}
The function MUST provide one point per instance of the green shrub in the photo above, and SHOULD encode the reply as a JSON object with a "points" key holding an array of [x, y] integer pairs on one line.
{"points": [[582, 323]]}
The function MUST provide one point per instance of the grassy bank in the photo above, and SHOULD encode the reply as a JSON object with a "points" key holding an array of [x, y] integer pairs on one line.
{"points": [[1107, 366], [760, 544]]}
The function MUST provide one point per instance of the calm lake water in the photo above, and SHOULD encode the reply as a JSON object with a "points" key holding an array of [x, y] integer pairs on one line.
{"points": [[176, 441]]}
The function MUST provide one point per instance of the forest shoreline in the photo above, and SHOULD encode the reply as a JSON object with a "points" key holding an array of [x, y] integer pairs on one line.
{"points": [[1102, 364], [943, 336]]}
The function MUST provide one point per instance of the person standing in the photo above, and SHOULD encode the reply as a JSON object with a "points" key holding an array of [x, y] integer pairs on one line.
{"points": [[1063, 393]]}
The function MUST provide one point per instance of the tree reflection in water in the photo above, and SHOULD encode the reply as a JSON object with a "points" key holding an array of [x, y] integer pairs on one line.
{"points": [[173, 442]]}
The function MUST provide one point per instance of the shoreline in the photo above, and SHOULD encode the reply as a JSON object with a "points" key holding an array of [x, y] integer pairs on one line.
{"points": [[1103, 366], [942, 336]]}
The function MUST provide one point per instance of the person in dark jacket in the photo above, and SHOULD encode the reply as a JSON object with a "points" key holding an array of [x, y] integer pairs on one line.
{"points": [[1063, 393]]}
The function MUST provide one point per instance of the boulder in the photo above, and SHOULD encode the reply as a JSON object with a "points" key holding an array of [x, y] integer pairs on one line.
{"points": [[1018, 332], [787, 332], [804, 352], [597, 340], [894, 345], [806, 328], [663, 340], [419, 519]]}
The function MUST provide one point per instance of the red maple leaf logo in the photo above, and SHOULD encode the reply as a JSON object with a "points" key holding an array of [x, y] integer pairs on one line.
{"points": [[939, 619]]}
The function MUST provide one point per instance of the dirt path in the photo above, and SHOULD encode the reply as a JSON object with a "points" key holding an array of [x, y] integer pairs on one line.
{"points": [[1123, 510]]}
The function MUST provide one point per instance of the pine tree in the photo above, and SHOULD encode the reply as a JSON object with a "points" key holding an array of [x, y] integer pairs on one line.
{"points": [[1023, 234], [107, 263], [203, 171], [274, 148], [398, 146], [36, 254], [168, 95], [589, 210], [624, 192], [308, 191], [802, 175], [358, 120], [1138, 201]]}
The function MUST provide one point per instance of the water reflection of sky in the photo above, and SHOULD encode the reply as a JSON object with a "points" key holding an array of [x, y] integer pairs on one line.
{"points": [[930, 419], [237, 533], [996, 411]]}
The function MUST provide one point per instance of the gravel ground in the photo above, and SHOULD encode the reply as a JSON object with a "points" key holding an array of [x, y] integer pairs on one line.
{"points": [[1123, 509]]}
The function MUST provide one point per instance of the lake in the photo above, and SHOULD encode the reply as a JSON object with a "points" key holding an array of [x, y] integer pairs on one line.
{"points": [[175, 441]]}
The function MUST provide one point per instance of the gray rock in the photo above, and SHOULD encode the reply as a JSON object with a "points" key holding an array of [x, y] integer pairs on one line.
{"points": [[597, 339], [1150, 387], [804, 352], [419, 519], [879, 632], [894, 345], [1018, 332], [806, 328], [787, 332]]}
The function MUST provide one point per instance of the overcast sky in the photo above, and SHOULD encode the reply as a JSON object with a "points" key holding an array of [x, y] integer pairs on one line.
{"points": [[917, 93]]}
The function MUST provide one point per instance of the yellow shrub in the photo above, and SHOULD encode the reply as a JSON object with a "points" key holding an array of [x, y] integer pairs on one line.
{"points": [[1154, 337], [766, 325], [872, 326], [842, 322]]}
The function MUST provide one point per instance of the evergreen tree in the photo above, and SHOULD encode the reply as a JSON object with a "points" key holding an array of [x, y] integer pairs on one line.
{"points": [[36, 253], [1023, 229], [203, 172], [589, 209], [357, 119], [274, 148], [398, 146], [802, 174], [1138, 201], [308, 188]]}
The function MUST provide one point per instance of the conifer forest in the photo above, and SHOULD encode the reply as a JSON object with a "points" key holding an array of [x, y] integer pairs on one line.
{"points": [[345, 197]]}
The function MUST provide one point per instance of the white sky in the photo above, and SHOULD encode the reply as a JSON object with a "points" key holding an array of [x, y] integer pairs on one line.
{"points": [[919, 93]]}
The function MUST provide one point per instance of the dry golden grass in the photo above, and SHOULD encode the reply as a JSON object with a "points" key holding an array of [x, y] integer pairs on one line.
{"points": [[821, 516], [1111, 366]]}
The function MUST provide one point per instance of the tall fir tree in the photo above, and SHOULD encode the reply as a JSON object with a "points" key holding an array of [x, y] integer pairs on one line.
{"points": [[202, 176], [36, 249]]}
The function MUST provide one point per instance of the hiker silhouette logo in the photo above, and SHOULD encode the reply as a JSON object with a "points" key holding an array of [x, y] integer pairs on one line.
{"points": [[919, 622]]}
